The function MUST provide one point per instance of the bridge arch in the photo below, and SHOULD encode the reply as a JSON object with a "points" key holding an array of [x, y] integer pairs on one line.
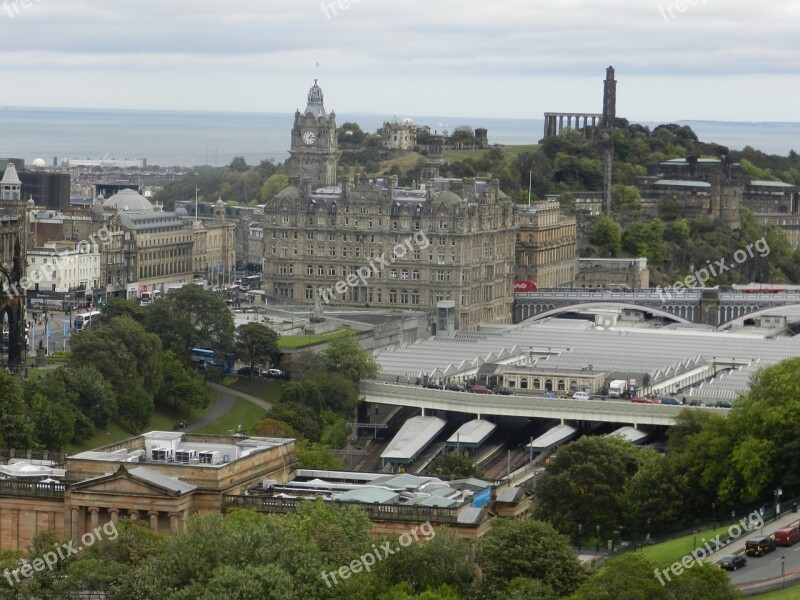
{"points": [[754, 312], [560, 310]]}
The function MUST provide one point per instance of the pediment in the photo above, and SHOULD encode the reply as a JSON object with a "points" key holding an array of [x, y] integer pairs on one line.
{"points": [[122, 485]]}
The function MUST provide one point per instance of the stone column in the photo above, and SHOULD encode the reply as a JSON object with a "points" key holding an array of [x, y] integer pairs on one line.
{"points": [[114, 515], [153, 521], [95, 517], [174, 522], [75, 531]]}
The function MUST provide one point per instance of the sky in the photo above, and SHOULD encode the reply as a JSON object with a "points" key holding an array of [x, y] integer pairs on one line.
{"points": [[727, 60]]}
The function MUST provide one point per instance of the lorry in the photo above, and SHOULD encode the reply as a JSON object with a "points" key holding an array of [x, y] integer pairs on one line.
{"points": [[617, 388]]}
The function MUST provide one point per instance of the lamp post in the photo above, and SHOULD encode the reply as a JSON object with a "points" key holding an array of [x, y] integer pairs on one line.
{"points": [[648, 531], [694, 539], [580, 533], [598, 538], [778, 494], [783, 571]]}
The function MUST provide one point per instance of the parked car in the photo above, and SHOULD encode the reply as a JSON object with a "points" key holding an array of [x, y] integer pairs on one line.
{"points": [[759, 546], [454, 387], [480, 389], [581, 396], [432, 385], [503, 391], [272, 373], [724, 404], [731, 562], [643, 400], [787, 536], [548, 395], [670, 401]]}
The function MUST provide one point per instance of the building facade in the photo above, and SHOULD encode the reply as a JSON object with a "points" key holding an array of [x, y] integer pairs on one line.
{"points": [[399, 136], [611, 273], [546, 247], [65, 266], [370, 243]]}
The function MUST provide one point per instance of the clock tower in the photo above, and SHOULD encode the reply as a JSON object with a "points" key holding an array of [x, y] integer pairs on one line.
{"points": [[314, 151]]}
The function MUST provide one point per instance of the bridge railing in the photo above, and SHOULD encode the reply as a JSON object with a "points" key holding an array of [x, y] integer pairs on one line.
{"points": [[605, 410]]}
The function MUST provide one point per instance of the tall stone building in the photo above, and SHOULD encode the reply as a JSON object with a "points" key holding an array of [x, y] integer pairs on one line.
{"points": [[314, 151], [546, 246], [371, 243]]}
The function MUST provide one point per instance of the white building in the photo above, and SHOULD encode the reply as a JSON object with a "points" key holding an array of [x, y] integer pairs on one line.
{"points": [[64, 266]]}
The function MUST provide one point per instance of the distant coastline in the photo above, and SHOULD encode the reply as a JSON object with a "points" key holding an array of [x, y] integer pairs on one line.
{"points": [[190, 138]]}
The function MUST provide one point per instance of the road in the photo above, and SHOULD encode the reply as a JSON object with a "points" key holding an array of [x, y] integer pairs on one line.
{"points": [[226, 397]]}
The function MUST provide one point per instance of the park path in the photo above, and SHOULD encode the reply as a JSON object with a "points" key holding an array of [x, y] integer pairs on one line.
{"points": [[225, 400]]}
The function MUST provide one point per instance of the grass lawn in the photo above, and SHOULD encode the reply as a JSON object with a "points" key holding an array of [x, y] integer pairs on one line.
{"points": [[291, 342], [790, 593], [266, 389], [672, 550], [243, 412], [161, 421]]}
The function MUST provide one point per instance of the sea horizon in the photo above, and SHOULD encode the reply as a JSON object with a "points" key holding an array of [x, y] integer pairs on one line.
{"points": [[189, 138]]}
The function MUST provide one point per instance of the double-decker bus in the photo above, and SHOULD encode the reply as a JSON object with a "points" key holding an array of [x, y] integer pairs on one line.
{"points": [[86, 320], [203, 358]]}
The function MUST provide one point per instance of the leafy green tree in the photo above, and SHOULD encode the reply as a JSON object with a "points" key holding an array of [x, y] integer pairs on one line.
{"points": [[54, 421], [607, 235], [655, 495], [530, 549], [116, 307], [439, 558], [317, 456], [95, 396], [16, 426], [625, 198], [346, 356], [584, 485], [136, 407], [256, 344], [239, 164], [350, 134], [626, 577], [181, 387], [454, 465], [274, 184], [191, 317]]}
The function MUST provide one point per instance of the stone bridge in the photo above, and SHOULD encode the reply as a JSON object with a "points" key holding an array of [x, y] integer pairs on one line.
{"points": [[706, 306]]}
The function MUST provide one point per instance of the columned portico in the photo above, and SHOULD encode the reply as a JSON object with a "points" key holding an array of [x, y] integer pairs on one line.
{"points": [[554, 123]]}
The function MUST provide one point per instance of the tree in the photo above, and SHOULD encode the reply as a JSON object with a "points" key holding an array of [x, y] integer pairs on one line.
{"points": [[180, 386], [256, 344], [585, 484], [54, 421], [317, 456], [655, 496], [116, 307], [453, 465], [16, 426], [238, 164], [607, 235], [273, 184], [95, 396], [136, 407], [625, 198], [530, 549], [122, 351], [191, 317], [346, 356], [626, 577], [350, 134]]}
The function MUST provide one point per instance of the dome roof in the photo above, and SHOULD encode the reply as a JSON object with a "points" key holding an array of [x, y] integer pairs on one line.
{"points": [[315, 105], [128, 200], [289, 193], [39, 162], [448, 198], [181, 212], [97, 207]]}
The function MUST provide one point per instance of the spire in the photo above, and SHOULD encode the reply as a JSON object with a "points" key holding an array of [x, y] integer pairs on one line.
{"points": [[10, 185], [315, 106]]}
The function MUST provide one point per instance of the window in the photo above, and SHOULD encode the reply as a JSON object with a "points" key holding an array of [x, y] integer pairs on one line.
{"points": [[415, 297], [332, 271], [393, 274], [404, 274], [320, 270], [309, 292], [392, 296], [309, 269], [403, 296], [537, 384], [415, 275]]}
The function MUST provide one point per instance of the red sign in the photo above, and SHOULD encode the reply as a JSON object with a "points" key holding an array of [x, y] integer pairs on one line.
{"points": [[525, 286]]}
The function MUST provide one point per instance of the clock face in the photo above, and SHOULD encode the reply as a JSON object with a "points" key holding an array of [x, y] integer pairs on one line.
{"points": [[309, 137]]}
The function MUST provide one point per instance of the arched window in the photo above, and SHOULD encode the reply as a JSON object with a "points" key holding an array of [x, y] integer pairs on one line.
{"points": [[573, 385], [548, 385], [537, 384], [560, 385], [523, 383]]}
